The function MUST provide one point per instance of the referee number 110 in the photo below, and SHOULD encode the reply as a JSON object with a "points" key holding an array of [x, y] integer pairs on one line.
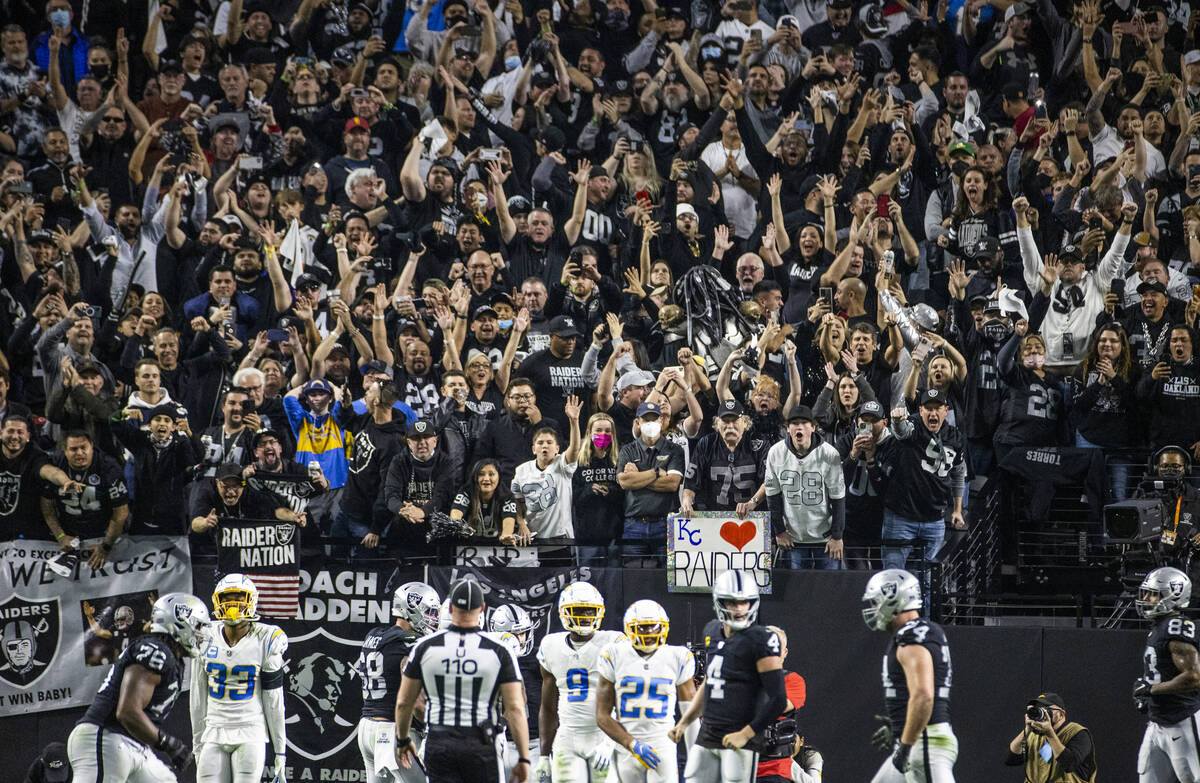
{"points": [[460, 666]]}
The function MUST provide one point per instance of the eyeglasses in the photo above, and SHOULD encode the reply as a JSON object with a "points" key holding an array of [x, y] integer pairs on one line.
{"points": [[520, 397], [114, 119]]}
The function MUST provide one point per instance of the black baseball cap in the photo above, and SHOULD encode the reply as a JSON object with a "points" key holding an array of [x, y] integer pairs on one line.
{"points": [[1050, 700], [228, 470], [264, 433], [801, 413], [870, 408], [563, 326], [730, 408], [1070, 254], [467, 595], [56, 767], [933, 397], [483, 310], [1152, 285], [421, 429]]}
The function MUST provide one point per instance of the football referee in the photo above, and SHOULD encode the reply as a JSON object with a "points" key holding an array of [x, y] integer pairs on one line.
{"points": [[461, 670]]}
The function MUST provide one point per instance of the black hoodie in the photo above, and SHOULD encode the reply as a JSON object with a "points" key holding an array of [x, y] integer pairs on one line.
{"points": [[375, 445]]}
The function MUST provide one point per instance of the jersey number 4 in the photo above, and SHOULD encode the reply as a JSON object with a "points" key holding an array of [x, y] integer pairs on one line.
{"points": [[713, 678], [234, 683]]}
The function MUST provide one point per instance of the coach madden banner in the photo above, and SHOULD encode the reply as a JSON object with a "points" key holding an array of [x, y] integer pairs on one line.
{"points": [[60, 633], [705, 544]]}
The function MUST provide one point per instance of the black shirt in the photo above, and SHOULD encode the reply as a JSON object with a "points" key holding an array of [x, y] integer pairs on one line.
{"points": [[1159, 666], [510, 441], [651, 503], [380, 666], [895, 685], [722, 478], [375, 445], [732, 684], [598, 502], [554, 379], [20, 506], [87, 514], [155, 655]]}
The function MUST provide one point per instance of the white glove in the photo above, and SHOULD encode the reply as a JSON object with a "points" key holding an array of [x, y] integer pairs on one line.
{"points": [[280, 769], [601, 757], [541, 770]]}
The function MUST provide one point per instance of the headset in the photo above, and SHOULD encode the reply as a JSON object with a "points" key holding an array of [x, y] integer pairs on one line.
{"points": [[1152, 462]]}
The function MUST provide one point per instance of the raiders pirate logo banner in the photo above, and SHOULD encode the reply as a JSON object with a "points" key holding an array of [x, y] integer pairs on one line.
{"points": [[59, 634]]}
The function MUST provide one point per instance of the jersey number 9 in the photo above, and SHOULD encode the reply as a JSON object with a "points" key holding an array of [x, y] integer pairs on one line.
{"points": [[577, 685]]}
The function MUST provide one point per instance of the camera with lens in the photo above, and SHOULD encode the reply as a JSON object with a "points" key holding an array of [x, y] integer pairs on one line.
{"points": [[539, 51], [750, 357], [1035, 711]]}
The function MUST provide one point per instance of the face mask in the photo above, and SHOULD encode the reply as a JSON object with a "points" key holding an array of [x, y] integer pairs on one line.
{"points": [[512, 63], [996, 330], [602, 440], [1042, 181], [505, 324], [958, 168], [60, 18], [100, 71], [480, 202], [651, 429], [1034, 361]]}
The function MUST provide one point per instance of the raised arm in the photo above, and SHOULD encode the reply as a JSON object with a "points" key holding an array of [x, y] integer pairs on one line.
{"points": [[575, 223], [411, 183]]}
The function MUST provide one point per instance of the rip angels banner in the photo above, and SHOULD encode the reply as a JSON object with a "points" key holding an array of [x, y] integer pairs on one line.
{"points": [[60, 633]]}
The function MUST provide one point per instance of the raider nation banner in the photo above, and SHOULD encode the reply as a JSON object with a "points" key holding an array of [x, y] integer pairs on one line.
{"points": [[61, 633], [266, 551], [323, 701]]}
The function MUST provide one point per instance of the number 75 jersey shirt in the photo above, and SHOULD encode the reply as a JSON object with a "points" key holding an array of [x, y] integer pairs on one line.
{"points": [[575, 672], [233, 712]]}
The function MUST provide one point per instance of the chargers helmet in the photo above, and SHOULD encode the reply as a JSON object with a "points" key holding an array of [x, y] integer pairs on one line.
{"points": [[1163, 591], [184, 618], [646, 625], [234, 599], [417, 603], [735, 586], [888, 594], [513, 619], [581, 608]]}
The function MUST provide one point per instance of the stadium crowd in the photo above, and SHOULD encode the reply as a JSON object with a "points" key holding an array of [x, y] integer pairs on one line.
{"points": [[551, 272]]}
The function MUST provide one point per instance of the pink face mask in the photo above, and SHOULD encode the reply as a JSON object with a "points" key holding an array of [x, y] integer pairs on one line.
{"points": [[601, 440], [1034, 361]]}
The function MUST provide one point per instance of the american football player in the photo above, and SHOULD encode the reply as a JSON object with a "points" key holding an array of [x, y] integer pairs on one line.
{"points": [[380, 666], [743, 686], [916, 682], [237, 690], [1169, 688], [569, 661], [117, 736], [641, 679]]}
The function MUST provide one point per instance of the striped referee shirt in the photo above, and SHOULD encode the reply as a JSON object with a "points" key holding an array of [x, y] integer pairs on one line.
{"points": [[461, 671]]}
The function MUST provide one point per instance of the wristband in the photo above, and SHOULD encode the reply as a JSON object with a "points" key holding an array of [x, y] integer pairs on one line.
{"points": [[107, 547], [60, 536], [403, 741], [460, 316], [524, 761]]}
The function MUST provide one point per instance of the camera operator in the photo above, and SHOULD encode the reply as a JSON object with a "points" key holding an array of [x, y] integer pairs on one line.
{"points": [[1051, 748], [1167, 482]]}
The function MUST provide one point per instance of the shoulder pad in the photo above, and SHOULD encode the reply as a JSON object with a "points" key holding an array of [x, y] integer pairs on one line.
{"points": [[152, 653]]}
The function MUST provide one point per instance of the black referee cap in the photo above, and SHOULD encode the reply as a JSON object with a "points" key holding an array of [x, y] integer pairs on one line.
{"points": [[466, 595]]}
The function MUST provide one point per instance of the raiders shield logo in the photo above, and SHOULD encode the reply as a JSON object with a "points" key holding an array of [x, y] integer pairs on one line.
{"points": [[30, 632], [888, 590], [284, 533], [320, 691]]}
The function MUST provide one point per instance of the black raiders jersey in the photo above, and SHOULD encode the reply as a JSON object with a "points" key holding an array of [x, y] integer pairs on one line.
{"points": [[722, 478], [1159, 666], [895, 684], [731, 679], [380, 666], [155, 655], [86, 514]]}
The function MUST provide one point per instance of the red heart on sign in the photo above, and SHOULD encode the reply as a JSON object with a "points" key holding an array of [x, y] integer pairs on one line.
{"points": [[738, 535]]}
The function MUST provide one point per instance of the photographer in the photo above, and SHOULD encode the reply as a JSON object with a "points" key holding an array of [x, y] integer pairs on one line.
{"points": [[1051, 748]]}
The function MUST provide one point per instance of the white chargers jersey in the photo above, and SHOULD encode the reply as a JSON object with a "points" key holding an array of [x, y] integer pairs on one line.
{"points": [[574, 672], [807, 483], [234, 675], [646, 685]]}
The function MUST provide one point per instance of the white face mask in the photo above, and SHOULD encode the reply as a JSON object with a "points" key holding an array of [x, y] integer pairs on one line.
{"points": [[651, 429]]}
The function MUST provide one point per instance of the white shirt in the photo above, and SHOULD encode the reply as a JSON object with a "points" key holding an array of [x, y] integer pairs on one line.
{"points": [[740, 207], [547, 496], [646, 685], [231, 711], [807, 485], [575, 670]]}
